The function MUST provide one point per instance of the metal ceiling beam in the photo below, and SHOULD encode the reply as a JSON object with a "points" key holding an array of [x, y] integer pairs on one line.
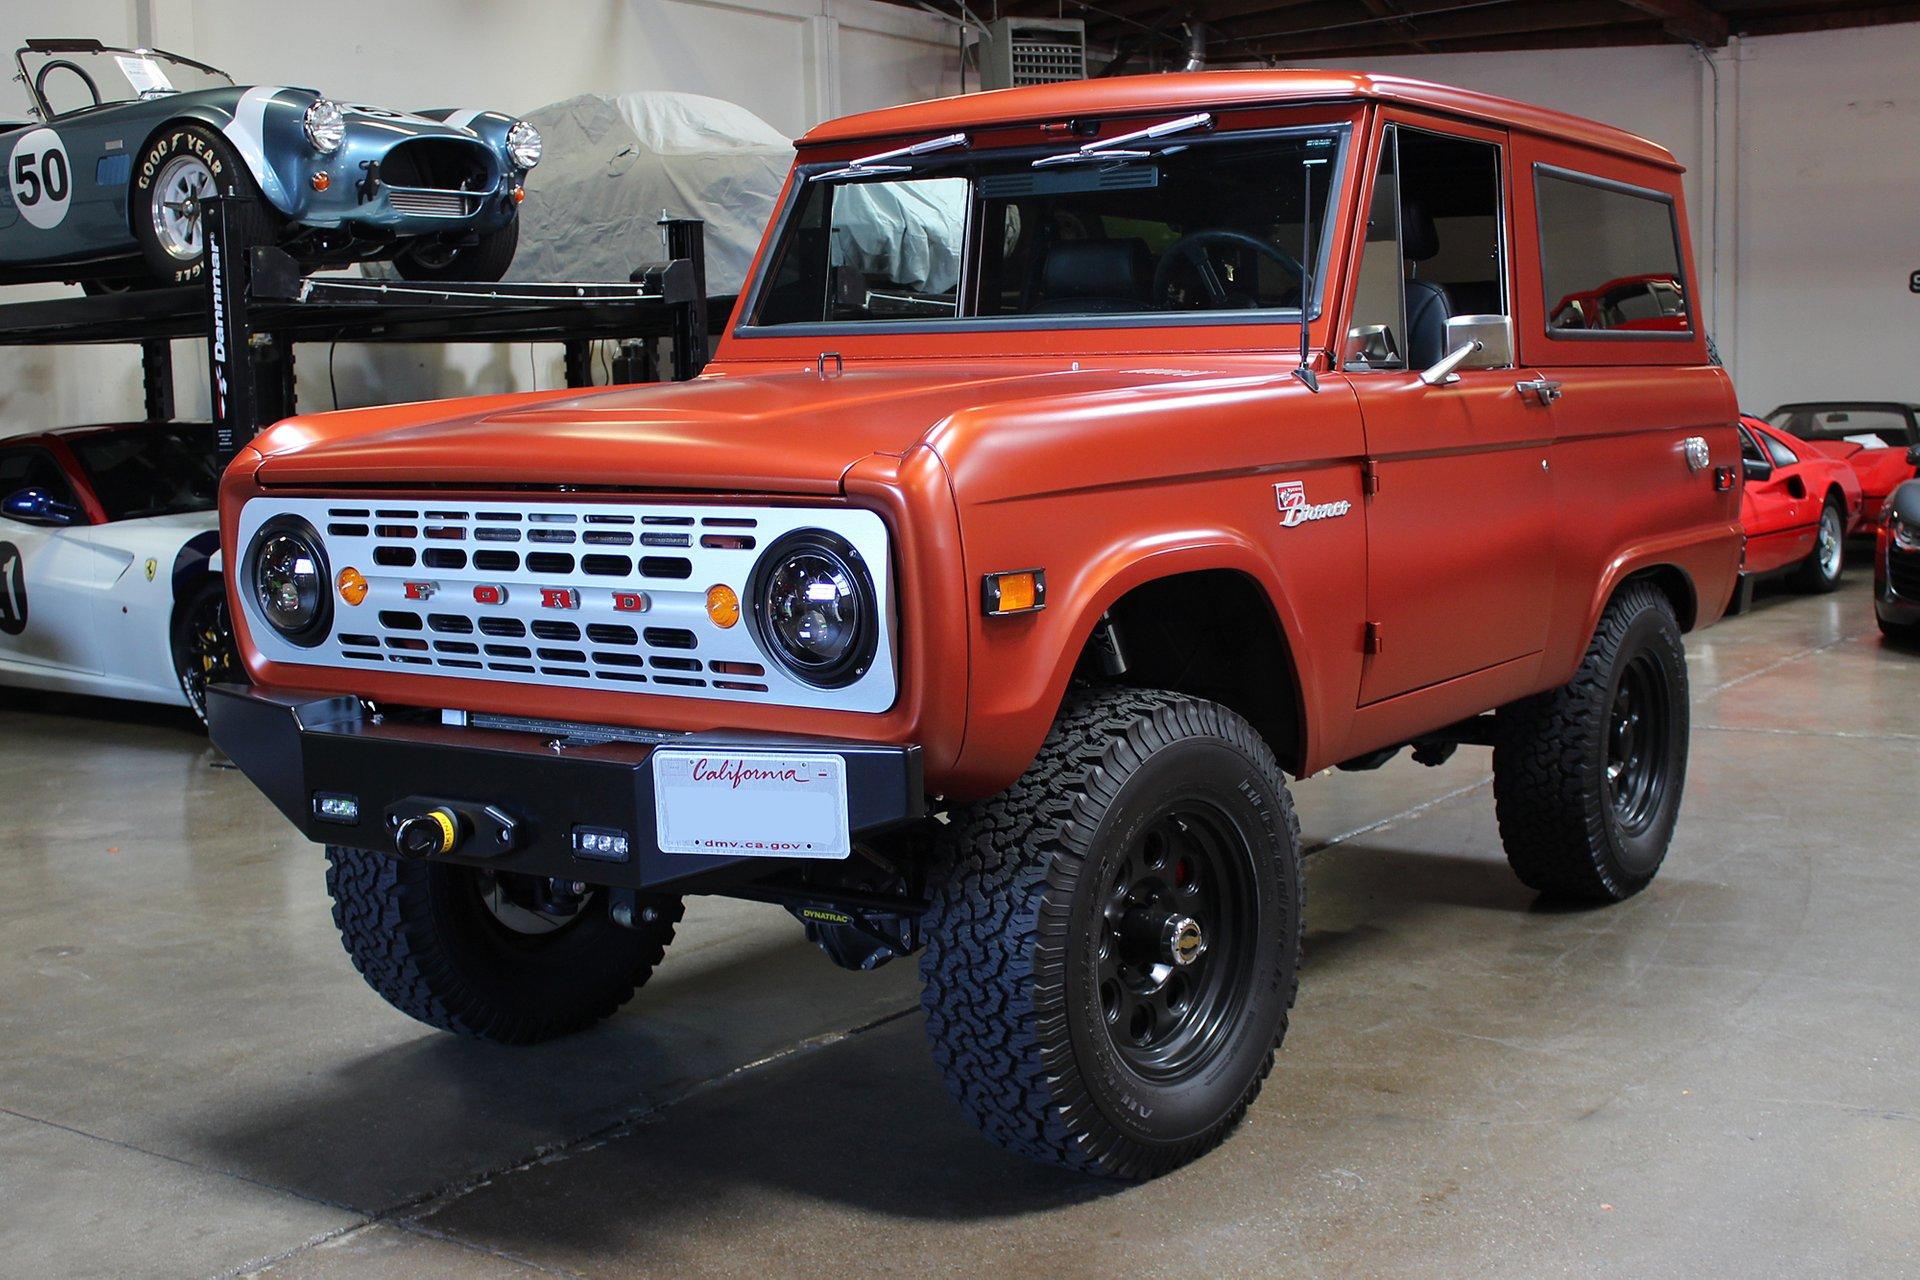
{"points": [[1686, 20], [1447, 23]]}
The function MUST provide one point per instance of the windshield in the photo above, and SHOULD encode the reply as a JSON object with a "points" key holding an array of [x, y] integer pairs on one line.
{"points": [[1872, 427], [1193, 227], [64, 80], [150, 471]]}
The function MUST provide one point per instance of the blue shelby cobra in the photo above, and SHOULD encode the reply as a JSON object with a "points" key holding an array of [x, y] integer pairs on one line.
{"points": [[104, 185]]}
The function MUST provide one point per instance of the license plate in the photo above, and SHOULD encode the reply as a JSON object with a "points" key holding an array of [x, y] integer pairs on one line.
{"points": [[750, 804]]}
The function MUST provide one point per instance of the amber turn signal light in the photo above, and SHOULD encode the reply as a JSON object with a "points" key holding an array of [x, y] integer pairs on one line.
{"points": [[353, 587], [322, 180], [723, 606], [1021, 591], [519, 195]]}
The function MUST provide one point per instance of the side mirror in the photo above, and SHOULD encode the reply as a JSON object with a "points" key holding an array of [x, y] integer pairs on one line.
{"points": [[1756, 470], [1473, 342], [37, 506], [1913, 456], [1493, 333]]}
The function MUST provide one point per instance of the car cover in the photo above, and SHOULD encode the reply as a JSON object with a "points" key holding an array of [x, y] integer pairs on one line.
{"points": [[613, 162]]}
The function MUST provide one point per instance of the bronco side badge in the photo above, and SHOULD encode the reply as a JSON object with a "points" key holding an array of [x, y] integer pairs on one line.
{"points": [[1291, 497]]}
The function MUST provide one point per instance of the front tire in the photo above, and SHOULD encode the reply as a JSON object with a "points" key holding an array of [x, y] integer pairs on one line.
{"points": [[1114, 942], [458, 949], [1587, 778], [178, 169], [482, 262], [1822, 569]]}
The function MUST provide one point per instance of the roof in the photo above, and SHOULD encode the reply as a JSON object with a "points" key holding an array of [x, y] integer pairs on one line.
{"points": [[1898, 406], [1215, 90]]}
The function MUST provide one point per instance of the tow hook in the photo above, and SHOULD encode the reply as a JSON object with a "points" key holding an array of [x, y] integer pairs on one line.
{"points": [[432, 834], [428, 828]]}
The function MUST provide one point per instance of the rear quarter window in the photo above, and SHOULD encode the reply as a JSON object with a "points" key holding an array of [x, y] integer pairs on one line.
{"points": [[1609, 259]]}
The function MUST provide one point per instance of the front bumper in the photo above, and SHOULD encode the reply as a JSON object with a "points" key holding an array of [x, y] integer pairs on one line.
{"points": [[526, 793], [1896, 585]]}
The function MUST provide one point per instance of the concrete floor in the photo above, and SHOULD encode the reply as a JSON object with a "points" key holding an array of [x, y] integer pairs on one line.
{"points": [[1720, 1077]]}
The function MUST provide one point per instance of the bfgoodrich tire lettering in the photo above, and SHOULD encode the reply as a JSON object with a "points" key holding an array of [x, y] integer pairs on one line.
{"points": [[1016, 1012], [421, 936], [1587, 778]]}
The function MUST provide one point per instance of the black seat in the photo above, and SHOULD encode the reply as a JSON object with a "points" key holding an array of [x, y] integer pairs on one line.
{"points": [[1080, 277], [1428, 307]]}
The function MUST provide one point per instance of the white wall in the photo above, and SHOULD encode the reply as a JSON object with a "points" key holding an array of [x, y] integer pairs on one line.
{"points": [[793, 62], [1803, 189]]}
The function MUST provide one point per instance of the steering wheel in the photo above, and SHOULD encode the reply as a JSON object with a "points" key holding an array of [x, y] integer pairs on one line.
{"points": [[1192, 250], [66, 64]]}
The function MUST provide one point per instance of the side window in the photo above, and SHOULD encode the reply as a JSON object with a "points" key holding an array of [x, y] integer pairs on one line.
{"points": [[872, 251], [1610, 257], [1433, 250], [33, 469], [1782, 456], [1750, 450]]}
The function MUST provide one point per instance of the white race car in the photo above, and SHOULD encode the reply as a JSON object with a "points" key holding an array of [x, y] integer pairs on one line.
{"points": [[109, 564]]}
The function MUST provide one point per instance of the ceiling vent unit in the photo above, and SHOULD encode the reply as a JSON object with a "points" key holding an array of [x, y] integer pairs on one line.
{"points": [[1018, 51]]}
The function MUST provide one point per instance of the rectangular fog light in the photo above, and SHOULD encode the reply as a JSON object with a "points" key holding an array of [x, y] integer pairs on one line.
{"points": [[333, 806], [602, 844]]}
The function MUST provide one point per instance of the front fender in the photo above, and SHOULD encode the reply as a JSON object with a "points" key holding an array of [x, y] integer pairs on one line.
{"points": [[1027, 661], [262, 123]]}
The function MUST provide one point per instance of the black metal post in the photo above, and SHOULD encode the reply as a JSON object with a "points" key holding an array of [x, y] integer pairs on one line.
{"points": [[156, 377], [230, 372], [687, 238], [638, 361], [579, 362], [273, 376]]}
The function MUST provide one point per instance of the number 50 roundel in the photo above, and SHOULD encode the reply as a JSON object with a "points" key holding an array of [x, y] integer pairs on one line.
{"points": [[41, 178]]}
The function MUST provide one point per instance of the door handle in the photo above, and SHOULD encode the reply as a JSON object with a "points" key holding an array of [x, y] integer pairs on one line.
{"points": [[1543, 390]]}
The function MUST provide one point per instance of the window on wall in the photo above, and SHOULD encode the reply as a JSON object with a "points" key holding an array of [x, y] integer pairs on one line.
{"points": [[1433, 249], [1610, 257]]}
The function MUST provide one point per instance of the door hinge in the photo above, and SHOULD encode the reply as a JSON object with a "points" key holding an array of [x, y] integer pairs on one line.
{"points": [[1374, 643], [1369, 477]]}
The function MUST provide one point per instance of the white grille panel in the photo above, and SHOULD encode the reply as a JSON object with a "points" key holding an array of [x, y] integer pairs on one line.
{"points": [[607, 596]]}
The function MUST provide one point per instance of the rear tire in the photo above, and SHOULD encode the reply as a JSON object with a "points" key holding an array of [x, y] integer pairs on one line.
{"points": [[1061, 1026], [424, 937], [1825, 564], [1587, 778], [181, 165], [483, 262]]}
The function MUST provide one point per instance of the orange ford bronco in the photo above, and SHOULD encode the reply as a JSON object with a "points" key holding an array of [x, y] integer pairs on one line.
{"points": [[1080, 462]]}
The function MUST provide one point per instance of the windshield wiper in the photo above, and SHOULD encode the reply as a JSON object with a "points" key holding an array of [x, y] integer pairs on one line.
{"points": [[1116, 148], [870, 166]]}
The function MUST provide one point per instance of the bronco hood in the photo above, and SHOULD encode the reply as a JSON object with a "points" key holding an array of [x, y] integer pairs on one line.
{"points": [[733, 431]]}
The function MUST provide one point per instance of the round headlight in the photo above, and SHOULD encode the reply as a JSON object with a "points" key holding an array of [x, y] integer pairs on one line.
{"points": [[523, 145], [814, 608], [325, 125], [288, 573]]}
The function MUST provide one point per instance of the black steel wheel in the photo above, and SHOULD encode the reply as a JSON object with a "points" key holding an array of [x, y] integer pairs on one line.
{"points": [[1113, 943], [204, 651], [1587, 778], [1180, 909]]}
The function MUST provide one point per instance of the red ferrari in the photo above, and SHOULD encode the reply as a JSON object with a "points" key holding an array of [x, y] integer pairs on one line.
{"points": [[1798, 506], [1880, 440]]}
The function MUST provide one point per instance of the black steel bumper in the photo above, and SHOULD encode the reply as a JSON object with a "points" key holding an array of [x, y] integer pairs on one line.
{"points": [[520, 800]]}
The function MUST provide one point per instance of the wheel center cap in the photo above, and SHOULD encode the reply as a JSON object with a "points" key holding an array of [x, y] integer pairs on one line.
{"points": [[1184, 942]]}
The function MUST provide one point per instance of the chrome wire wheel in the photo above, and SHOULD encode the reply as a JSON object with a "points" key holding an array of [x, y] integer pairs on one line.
{"points": [[179, 193], [1175, 950], [1832, 543], [1638, 743]]}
